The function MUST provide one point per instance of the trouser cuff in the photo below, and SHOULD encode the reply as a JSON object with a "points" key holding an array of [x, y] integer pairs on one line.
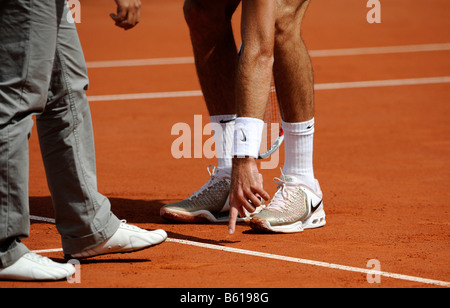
{"points": [[76, 245]]}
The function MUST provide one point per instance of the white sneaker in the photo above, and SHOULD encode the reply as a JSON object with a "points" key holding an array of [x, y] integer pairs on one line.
{"points": [[294, 207], [127, 238], [33, 267], [208, 204]]}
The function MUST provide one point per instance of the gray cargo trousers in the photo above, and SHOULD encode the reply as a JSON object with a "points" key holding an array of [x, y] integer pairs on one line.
{"points": [[43, 73]]}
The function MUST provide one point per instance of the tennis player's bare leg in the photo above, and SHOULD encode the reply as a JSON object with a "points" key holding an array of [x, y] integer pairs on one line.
{"points": [[295, 85], [292, 68], [215, 51], [294, 81], [216, 59]]}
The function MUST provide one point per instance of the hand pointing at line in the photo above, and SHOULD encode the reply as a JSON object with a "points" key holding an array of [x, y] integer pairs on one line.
{"points": [[246, 189]]}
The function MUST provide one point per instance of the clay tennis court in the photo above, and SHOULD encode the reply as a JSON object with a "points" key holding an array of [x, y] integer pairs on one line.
{"points": [[382, 154]]}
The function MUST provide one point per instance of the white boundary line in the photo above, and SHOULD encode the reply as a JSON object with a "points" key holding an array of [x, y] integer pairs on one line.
{"points": [[282, 258], [317, 87], [379, 50], [313, 53], [311, 262], [153, 95], [382, 83], [47, 250], [140, 62], [44, 219]]}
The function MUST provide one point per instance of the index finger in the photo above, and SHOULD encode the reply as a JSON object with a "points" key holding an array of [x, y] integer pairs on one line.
{"points": [[233, 218]]}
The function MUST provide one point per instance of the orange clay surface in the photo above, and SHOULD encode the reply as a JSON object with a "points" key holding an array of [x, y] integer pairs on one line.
{"points": [[382, 155]]}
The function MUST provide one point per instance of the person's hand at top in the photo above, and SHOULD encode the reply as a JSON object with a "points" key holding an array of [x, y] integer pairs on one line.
{"points": [[128, 13]]}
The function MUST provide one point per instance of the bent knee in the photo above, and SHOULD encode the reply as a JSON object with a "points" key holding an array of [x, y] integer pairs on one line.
{"points": [[289, 18], [198, 14], [207, 14]]}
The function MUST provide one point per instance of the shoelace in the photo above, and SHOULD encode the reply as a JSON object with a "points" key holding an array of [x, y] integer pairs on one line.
{"points": [[278, 202], [123, 224], [38, 258], [284, 191], [212, 172]]}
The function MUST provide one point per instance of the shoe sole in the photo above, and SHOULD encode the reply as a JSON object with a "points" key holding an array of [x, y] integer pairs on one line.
{"points": [[201, 216], [316, 220], [12, 277]]}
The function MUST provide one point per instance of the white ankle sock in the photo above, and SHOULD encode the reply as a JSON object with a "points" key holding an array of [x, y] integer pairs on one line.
{"points": [[298, 157], [224, 139]]}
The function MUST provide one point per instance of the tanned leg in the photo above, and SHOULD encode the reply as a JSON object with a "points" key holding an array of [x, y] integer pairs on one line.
{"points": [[215, 51], [292, 66]]}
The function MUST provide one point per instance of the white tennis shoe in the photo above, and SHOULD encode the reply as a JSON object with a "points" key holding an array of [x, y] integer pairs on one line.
{"points": [[33, 267], [208, 204], [128, 238], [293, 208]]}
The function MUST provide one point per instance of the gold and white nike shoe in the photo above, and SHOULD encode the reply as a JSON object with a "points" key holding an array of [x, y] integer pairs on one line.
{"points": [[211, 203], [293, 208]]}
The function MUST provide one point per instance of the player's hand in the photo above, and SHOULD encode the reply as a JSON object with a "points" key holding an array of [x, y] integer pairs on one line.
{"points": [[128, 13], [246, 189]]}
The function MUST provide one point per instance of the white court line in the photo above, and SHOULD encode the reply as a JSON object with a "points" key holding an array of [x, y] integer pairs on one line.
{"points": [[140, 62], [44, 219], [311, 262], [313, 53], [317, 87], [284, 258], [119, 97], [381, 83], [379, 50], [47, 250]]}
